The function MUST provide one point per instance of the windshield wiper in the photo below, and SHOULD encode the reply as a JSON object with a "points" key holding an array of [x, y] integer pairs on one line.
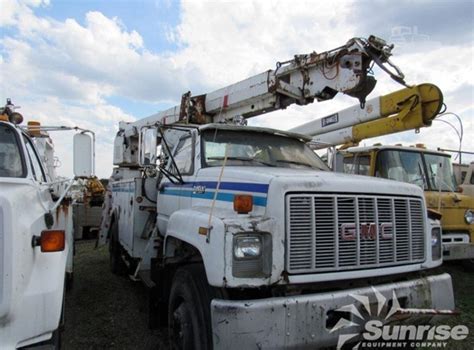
{"points": [[166, 172], [294, 162], [247, 159]]}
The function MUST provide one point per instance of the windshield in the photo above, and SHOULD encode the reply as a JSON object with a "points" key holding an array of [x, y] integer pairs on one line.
{"points": [[402, 166], [440, 172], [11, 164], [246, 148]]}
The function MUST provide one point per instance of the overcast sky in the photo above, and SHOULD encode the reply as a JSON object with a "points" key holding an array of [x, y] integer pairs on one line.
{"points": [[93, 63]]}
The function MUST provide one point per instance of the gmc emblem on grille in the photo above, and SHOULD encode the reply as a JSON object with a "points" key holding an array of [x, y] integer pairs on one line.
{"points": [[368, 231]]}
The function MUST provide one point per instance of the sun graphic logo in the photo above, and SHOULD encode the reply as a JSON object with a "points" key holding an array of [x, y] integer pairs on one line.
{"points": [[380, 311], [369, 324]]}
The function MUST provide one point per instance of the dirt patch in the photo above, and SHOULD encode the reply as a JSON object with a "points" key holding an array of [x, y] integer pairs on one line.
{"points": [[104, 311], [463, 285]]}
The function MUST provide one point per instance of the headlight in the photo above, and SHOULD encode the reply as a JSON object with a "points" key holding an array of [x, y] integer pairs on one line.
{"points": [[252, 255], [436, 243], [247, 247], [469, 216]]}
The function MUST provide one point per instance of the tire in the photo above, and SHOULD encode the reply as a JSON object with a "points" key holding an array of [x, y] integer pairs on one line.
{"points": [[55, 341], [117, 265], [189, 312], [69, 283]]}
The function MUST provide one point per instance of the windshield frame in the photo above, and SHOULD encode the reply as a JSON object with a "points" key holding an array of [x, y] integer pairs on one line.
{"points": [[208, 131], [427, 178], [21, 150]]}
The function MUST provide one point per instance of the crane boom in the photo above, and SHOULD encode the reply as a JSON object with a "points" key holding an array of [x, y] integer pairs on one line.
{"points": [[300, 80], [405, 109]]}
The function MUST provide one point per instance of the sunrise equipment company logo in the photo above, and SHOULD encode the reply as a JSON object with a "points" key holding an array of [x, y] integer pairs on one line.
{"points": [[373, 332]]}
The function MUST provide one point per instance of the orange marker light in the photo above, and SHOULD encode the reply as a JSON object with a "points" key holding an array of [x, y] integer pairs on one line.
{"points": [[243, 203], [53, 241], [34, 128]]}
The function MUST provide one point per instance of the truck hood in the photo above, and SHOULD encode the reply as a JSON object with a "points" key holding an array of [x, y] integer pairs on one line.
{"points": [[309, 180], [449, 200]]}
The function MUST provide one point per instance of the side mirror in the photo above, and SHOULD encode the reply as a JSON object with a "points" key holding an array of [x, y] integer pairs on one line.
{"points": [[83, 155], [148, 146]]}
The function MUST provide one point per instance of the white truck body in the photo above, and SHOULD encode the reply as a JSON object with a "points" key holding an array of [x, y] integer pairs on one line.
{"points": [[32, 282], [245, 237], [182, 209], [33, 200]]}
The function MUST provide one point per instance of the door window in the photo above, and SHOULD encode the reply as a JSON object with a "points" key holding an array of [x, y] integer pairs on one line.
{"points": [[357, 165], [184, 156], [11, 162], [35, 162]]}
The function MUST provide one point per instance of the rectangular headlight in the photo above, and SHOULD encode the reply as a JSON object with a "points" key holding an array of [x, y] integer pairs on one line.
{"points": [[247, 247], [436, 243], [252, 254]]}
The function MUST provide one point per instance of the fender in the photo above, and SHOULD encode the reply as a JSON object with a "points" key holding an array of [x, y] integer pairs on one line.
{"points": [[184, 225]]}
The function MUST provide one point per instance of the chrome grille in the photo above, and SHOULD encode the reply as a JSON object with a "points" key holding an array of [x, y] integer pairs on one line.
{"points": [[341, 232]]}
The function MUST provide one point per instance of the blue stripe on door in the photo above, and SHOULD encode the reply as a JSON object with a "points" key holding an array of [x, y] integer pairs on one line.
{"points": [[232, 186]]}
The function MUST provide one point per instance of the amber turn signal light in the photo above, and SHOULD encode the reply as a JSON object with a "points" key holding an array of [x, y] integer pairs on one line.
{"points": [[243, 203], [50, 241]]}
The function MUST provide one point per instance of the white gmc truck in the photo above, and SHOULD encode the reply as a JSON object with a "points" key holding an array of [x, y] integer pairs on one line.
{"points": [[244, 236], [36, 237]]}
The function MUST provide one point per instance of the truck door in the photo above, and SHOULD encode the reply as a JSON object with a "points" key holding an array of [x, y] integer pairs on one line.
{"points": [[175, 196]]}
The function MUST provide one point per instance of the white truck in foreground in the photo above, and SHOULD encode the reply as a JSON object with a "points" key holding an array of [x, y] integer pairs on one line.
{"points": [[36, 237], [245, 237]]}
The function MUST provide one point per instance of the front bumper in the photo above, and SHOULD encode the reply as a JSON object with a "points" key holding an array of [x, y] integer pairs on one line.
{"points": [[300, 321], [459, 251]]}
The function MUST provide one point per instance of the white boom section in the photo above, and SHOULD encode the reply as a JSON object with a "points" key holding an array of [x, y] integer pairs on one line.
{"points": [[337, 128], [300, 80]]}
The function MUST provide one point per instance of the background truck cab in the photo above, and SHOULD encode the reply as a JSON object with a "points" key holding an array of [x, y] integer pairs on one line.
{"points": [[36, 237]]}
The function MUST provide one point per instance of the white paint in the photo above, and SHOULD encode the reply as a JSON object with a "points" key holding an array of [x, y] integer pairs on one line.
{"points": [[32, 282]]}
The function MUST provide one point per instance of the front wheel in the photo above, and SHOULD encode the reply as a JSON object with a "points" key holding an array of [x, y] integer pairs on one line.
{"points": [[189, 311]]}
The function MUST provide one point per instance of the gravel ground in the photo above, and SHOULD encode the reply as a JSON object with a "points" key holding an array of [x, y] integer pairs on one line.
{"points": [[104, 311]]}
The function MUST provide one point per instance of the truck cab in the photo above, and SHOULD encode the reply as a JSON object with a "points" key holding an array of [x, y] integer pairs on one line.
{"points": [[36, 237], [432, 171], [249, 241]]}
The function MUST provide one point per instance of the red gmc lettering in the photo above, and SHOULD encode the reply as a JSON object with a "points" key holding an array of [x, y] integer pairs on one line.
{"points": [[368, 231], [348, 232]]}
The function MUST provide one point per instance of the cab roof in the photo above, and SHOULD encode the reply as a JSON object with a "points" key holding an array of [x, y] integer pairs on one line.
{"points": [[245, 128], [363, 149]]}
